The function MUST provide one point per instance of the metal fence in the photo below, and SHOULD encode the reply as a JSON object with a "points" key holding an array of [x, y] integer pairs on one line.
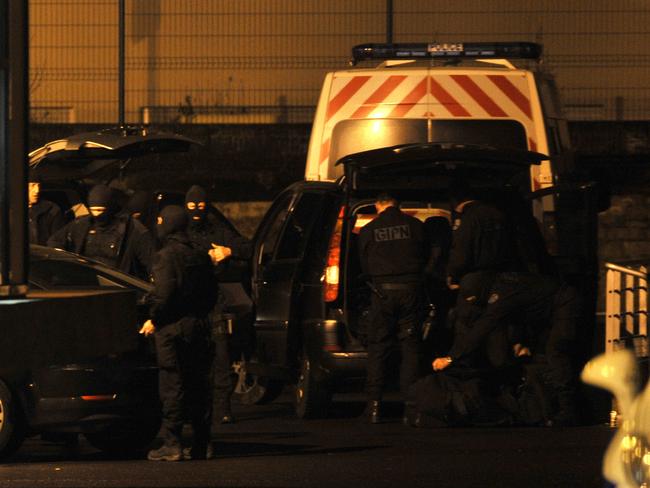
{"points": [[626, 322], [255, 61]]}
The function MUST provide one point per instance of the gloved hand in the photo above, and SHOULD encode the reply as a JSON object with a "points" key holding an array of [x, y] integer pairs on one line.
{"points": [[148, 328]]}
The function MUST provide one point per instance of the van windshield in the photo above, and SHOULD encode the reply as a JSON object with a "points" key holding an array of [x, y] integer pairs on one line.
{"points": [[356, 135]]}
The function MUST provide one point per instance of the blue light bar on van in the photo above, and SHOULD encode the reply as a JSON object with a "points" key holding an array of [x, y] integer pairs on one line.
{"points": [[508, 50]]}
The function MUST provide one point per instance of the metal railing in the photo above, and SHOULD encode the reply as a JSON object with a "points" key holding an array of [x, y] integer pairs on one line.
{"points": [[626, 312]]}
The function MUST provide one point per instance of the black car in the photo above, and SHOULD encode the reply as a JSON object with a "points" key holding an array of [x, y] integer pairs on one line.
{"points": [[112, 399], [64, 378], [312, 302]]}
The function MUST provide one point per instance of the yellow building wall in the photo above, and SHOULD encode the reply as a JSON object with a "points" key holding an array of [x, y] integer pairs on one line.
{"points": [[261, 61]]}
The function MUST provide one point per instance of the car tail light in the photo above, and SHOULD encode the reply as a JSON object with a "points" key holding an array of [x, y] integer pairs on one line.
{"points": [[332, 268], [98, 398]]}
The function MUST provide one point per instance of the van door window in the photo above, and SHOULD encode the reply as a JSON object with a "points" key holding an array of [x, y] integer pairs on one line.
{"points": [[495, 133], [296, 232], [356, 135], [274, 227]]}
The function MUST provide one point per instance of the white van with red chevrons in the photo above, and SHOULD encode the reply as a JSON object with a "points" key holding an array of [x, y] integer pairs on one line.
{"points": [[466, 93]]}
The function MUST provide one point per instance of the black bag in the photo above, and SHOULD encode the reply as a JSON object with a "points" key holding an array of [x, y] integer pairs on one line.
{"points": [[449, 400]]}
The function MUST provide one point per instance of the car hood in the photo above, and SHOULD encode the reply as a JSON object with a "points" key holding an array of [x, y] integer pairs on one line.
{"points": [[81, 155], [417, 165]]}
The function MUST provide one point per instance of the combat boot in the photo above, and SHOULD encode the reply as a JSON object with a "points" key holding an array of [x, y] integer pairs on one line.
{"points": [[567, 414], [197, 452], [165, 453]]}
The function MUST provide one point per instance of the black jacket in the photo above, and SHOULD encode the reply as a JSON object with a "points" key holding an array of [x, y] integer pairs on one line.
{"points": [[392, 247], [45, 218], [184, 284], [212, 231], [483, 240], [130, 239]]}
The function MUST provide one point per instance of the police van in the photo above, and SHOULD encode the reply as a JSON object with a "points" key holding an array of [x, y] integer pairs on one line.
{"points": [[426, 116], [462, 93]]}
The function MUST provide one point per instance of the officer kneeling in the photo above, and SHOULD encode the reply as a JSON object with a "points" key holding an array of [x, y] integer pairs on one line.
{"points": [[392, 254], [184, 293]]}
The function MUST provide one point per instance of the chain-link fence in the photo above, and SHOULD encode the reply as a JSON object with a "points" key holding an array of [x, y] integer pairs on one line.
{"points": [[255, 61]]}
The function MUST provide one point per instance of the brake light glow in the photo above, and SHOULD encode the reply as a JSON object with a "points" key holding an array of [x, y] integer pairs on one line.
{"points": [[332, 268], [98, 398]]}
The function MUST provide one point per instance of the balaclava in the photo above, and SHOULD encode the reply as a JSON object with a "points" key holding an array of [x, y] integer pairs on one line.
{"points": [[195, 195], [171, 219], [102, 196], [138, 205]]}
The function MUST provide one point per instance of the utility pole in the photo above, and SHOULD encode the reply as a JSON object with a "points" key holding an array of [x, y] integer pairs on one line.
{"points": [[14, 125], [120, 62], [389, 21]]}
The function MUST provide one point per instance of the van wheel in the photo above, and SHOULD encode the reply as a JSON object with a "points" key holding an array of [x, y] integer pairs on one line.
{"points": [[252, 389], [313, 397], [126, 439], [12, 422]]}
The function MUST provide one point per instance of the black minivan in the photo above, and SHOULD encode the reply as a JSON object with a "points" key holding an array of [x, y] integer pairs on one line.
{"points": [[312, 302]]}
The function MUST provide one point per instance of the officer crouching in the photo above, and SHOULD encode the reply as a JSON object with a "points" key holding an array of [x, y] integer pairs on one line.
{"points": [[392, 253]]}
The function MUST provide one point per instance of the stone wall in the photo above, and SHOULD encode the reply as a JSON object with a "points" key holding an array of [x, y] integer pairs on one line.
{"points": [[245, 216], [624, 229]]}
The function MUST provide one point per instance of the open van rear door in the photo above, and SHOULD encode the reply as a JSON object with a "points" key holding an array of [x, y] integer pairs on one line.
{"points": [[432, 167]]}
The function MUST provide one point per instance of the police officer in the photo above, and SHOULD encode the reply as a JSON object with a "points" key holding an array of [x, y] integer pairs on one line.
{"points": [[549, 311], [116, 240], [483, 244], [483, 239], [45, 217], [392, 253], [496, 289], [139, 207], [228, 250], [184, 293]]}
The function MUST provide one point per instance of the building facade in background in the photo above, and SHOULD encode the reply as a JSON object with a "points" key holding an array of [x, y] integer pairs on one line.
{"points": [[262, 61]]}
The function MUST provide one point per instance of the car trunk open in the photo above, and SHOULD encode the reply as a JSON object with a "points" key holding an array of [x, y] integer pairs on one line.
{"points": [[83, 155], [420, 176]]}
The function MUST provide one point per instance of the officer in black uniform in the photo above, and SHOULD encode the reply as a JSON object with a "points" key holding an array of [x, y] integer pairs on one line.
{"points": [[139, 207], [483, 244], [497, 290], [546, 312], [483, 239], [116, 240], [45, 217], [230, 253], [392, 253], [184, 293]]}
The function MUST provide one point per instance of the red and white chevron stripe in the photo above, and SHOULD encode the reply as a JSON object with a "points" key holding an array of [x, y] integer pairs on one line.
{"points": [[421, 95]]}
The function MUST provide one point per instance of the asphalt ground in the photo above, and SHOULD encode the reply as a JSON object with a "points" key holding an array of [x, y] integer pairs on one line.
{"points": [[269, 447]]}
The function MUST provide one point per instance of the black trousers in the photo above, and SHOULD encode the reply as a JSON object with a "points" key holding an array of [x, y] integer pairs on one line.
{"points": [[396, 321], [539, 311], [236, 305], [224, 383], [184, 355]]}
